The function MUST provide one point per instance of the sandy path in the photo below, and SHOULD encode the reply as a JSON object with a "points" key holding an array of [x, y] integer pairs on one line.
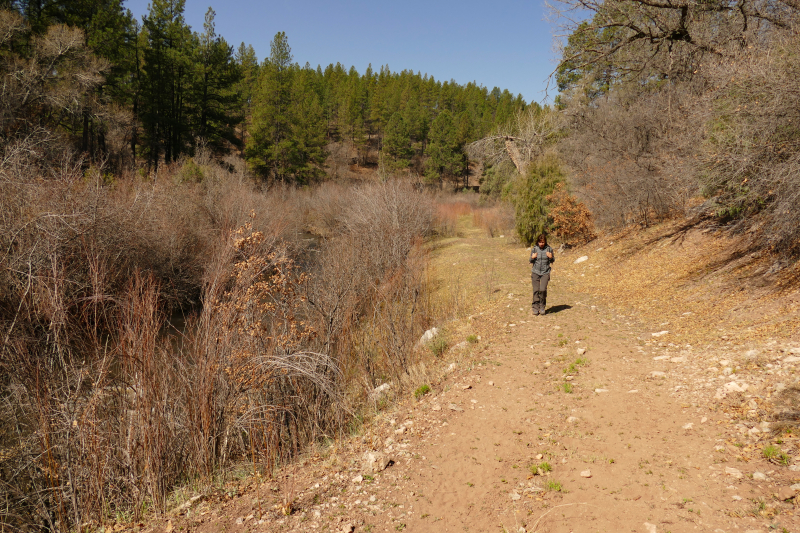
{"points": [[640, 416]]}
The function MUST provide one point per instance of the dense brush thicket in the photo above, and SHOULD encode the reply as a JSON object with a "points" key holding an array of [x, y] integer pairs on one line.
{"points": [[104, 411]]}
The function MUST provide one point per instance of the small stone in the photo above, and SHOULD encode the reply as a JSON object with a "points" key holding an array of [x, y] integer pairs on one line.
{"points": [[515, 496], [704, 420], [660, 333], [785, 493], [539, 456], [634, 391], [358, 479], [737, 498], [599, 391], [760, 476], [491, 383], [375, 462], [581, 351], [581, 259], [572, 420], [735, 387], [400, 430], [795, 487], [452, 367], [657, 374], [454, 407], [661, 358], [436, 407], [733, 472], [650, 528], [678, 360], [466, 387], [239, 521], [791, 359], [348, 528], [690, 425], [169, 527], [586, 473]]}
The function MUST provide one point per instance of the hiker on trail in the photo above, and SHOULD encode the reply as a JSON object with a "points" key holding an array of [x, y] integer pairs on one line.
{"points": [[541, 257]]}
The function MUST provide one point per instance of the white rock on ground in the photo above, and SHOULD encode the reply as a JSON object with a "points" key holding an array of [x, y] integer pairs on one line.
{"points": [[760, 476], [581, 351], [586, 473], [735, 387], [733, 472], [581, 259], [428, 335]]}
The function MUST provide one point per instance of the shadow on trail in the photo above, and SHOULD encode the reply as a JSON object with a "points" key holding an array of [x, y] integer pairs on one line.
{"points": [[558, 308]]}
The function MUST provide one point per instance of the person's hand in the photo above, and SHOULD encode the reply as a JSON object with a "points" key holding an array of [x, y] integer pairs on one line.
{"points": [[549, 255]]}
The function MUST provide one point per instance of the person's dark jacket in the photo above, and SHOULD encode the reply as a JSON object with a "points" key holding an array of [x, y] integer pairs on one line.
{"points": [[541, 263]]}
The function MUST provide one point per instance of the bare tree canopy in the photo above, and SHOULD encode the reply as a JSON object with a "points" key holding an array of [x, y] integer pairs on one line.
{"points": [[520, 140], [658, 38]]}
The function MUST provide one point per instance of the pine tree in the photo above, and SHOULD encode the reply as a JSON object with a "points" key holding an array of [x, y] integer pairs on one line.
{"points": [[216, 101], [307, 139], [267, 151], [248, 66], [397, 150], [446, 158], [288, 130], [166, 81]]}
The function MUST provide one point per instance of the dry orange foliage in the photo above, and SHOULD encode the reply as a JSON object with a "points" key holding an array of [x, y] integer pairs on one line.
{"points": [[572, 221]]}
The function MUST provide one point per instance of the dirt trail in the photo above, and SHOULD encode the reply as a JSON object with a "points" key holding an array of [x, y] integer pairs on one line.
{"points": [[639, 433]]}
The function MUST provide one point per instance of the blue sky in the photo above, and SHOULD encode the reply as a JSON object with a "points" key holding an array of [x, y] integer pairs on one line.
{"points": [[505, 43]]}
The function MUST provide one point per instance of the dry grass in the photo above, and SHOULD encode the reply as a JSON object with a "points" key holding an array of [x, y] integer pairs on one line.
{"points": [[495, 220], [698, 284]]}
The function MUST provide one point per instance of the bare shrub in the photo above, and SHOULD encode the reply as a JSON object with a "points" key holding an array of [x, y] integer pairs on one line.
{"points": [[631, 155], [494, 220], [101, 413], [750, 162], [447, 215]]}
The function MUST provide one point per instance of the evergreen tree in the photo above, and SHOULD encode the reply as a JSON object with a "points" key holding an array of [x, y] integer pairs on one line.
{"points": [[397, 143], [446, 158], [167, 79], [248, 67], [307, 139], [267, 151], [218, 109], [288, 129]]}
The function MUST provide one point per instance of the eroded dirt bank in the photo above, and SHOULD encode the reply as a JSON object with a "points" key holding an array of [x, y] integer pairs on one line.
{"points": [[647, 399]]}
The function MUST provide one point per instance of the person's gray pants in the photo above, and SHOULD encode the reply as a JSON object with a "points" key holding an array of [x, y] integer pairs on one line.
{"points": [[539, 282]]}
